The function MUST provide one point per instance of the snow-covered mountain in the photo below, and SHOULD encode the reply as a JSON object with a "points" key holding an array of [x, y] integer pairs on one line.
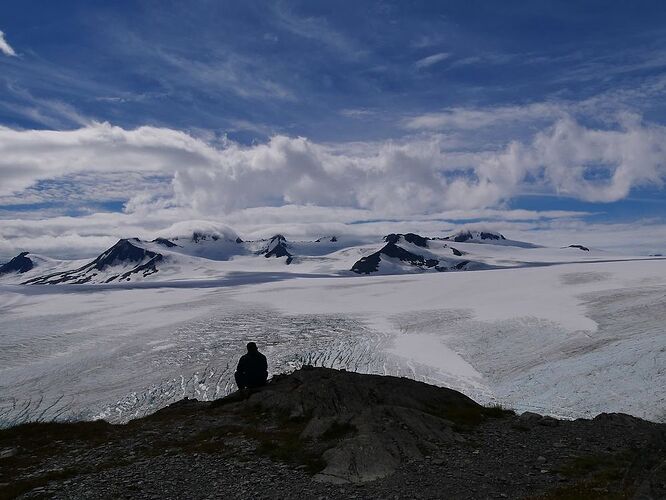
{"points": [[277, 247], [488, 237], [123, 261], [405, 253], [210, 252], [25, 266]]}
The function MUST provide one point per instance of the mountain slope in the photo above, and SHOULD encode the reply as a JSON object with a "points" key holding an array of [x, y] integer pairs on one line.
{"points": [[124, 261], [405, 253]]}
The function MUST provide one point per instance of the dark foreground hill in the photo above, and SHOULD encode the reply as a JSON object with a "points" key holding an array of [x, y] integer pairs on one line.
{"points": [[321, 433]]}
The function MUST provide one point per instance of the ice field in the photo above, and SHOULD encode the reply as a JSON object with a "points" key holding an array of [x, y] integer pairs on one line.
{"points": [[569, 340]]}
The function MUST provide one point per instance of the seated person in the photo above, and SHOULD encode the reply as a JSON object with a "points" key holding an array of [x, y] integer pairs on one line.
{"points": [[252, 370]]}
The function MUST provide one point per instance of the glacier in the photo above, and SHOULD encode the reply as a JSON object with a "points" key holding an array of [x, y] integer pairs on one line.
{"points": [[568, 339]]}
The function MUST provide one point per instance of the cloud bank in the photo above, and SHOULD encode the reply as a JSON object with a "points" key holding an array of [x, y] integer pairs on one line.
{"points": [[415, 175]]}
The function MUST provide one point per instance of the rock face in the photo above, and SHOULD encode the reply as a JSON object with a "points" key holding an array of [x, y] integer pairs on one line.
{"points": [[381, 421], [463, 236], [164, 242], [277, 247], [126, 254], [580, 247], [19, 264], [198, 236], [412, 238]]}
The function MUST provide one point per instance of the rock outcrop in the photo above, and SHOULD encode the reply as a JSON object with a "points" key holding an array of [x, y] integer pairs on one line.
{"points": [[313, 433]]}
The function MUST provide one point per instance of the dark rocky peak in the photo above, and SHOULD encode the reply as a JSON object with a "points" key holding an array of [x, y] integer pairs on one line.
{"points": [[457, 252], [463, 236], [370, 263], [164, 242], [198, 236], [277, 247], [238, 240], [412, 238], [392, 238], [125, 251], [415, 239], [332, 239], [19, 264], [580, 247]]}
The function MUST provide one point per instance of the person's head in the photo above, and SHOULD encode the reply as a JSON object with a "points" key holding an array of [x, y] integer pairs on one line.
{"points": [[252, 347]]}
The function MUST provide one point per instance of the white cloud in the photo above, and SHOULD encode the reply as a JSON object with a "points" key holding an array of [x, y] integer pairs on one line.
{"points": [[593, 165], [412, 176], [431, 60], [165, 176], [5, 48]]}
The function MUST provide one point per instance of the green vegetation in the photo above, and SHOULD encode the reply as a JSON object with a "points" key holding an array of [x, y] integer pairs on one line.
{"points": [[599, 477], [339, 431], [467, 416]]}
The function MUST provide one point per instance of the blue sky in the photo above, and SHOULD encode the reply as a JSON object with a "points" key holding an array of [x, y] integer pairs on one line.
{"points": [[202, 109]]}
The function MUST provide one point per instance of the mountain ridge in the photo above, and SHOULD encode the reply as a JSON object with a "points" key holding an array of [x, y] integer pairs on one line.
{"points": [[210, 253]]}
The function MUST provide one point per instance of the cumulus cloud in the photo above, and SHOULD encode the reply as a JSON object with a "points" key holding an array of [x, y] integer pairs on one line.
{"points": [[592, 165], [412, 176], [431, 60], [5, 48]]}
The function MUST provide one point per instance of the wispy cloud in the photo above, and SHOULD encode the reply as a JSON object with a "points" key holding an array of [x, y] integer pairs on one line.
{"points": [[51, 113], [5, 48], [431, 60], [317, 29], [476, 118]]}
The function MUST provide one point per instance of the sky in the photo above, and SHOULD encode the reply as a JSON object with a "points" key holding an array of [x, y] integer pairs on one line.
{"points": [[545, 120]]}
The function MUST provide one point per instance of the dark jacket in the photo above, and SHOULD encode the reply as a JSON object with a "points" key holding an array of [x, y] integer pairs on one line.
{"points": [[253, 369]]}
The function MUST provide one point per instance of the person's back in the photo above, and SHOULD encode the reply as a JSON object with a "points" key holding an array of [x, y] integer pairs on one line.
{"points": [[252, 370]]}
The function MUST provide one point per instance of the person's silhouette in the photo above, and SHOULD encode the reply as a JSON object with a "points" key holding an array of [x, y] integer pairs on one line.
{"points": [[252, 370]]}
